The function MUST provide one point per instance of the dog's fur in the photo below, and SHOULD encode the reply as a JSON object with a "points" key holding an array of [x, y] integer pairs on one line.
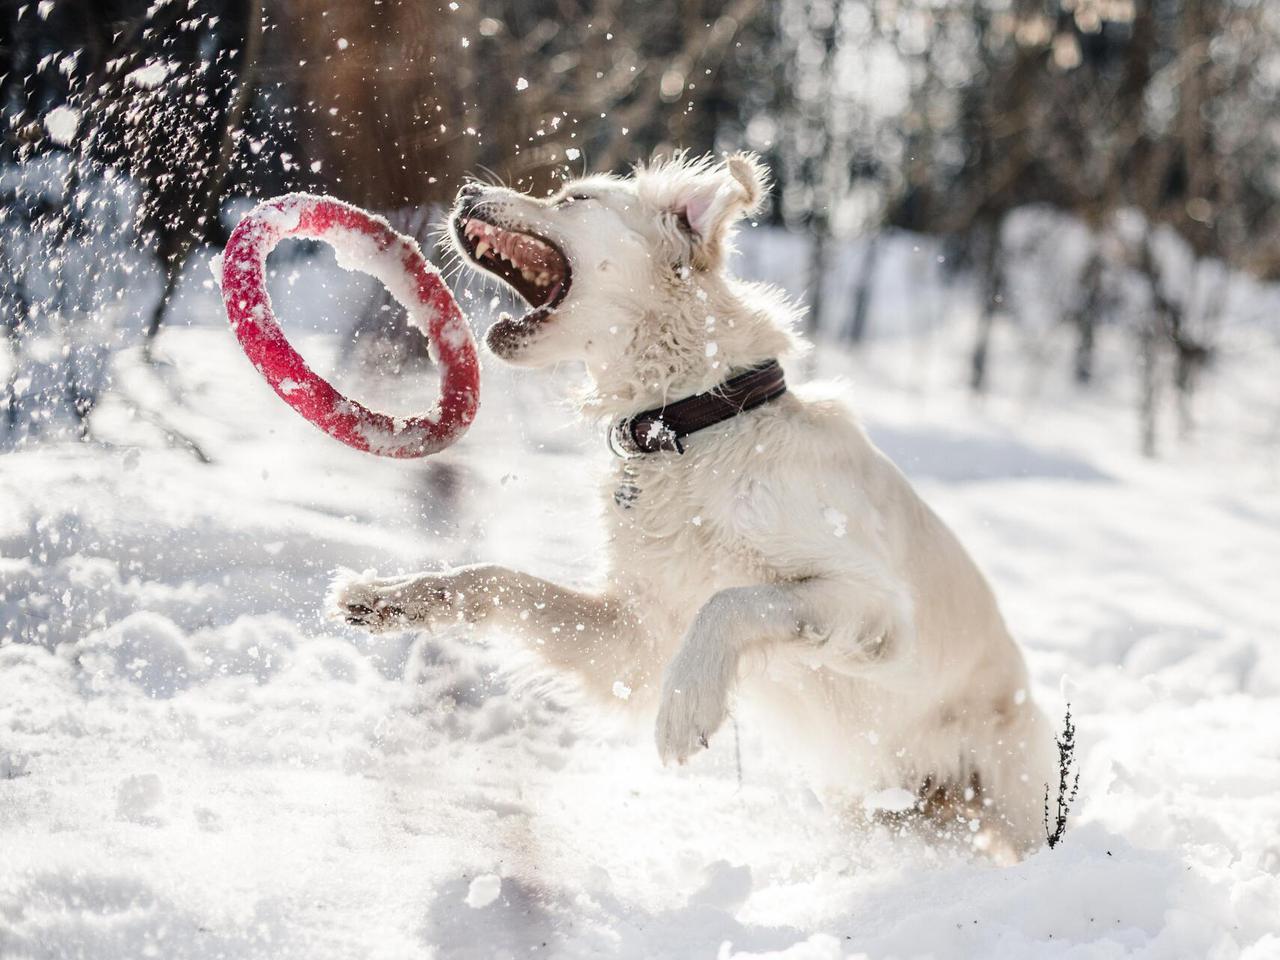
{"points": [[782, 531]]}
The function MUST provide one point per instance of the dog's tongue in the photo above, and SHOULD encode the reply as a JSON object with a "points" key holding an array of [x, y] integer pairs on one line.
{"points": [[532, 317], [536, 314], [535, 256]]}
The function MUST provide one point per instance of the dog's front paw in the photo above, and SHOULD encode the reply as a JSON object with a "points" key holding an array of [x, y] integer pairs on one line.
{"points": [[695, 703], [383, 604], [354, 598]]}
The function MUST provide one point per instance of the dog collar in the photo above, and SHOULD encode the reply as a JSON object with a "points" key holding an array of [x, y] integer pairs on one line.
{"points": [[662, 428]]}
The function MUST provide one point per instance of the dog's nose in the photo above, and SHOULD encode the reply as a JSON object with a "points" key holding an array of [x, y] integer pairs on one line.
{"points": [[469, 191]]}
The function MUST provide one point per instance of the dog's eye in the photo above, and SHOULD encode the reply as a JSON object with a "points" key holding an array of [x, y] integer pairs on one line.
{"points": [[573, 198]]}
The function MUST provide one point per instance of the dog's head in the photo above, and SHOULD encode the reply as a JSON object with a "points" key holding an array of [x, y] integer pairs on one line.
{"points": [[595, 259]]}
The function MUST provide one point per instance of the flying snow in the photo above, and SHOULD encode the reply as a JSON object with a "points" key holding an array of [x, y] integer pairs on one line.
{"points": [[892, 800], [151, 74], [483, 891], [61, 123]]}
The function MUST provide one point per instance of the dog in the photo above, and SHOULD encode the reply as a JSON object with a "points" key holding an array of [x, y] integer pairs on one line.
{"points": [[774, 557]]}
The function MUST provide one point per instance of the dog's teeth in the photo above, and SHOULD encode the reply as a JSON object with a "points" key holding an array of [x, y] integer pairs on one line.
{"points": [[527, 274], [544, 278], [481, 249]]}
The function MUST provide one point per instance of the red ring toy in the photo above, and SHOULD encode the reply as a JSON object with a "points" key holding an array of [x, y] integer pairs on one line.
{"points": [[366, 243]]}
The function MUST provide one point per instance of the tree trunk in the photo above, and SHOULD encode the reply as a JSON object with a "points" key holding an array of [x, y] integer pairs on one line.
{"points": [[1086, 319], [992, 289], [863, 288], [817, 273], [1148, 359], [1154, 331]]}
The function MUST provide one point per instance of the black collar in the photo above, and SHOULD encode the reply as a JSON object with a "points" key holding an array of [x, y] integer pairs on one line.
{"points": [[662, 428]]}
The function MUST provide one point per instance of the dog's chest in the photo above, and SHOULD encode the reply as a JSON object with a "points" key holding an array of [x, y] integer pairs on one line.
{"points": [[669, 532]]}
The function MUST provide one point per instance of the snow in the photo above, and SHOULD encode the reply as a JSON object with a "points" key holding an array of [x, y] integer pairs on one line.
{"points": [[137, 797], [151, 74], [360, 253], [893, 800], [483, 890], [194, 764], [215, 268], [61, 123]]}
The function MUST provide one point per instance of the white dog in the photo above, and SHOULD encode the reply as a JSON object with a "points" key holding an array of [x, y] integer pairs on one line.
{"points": [[780, 530]]}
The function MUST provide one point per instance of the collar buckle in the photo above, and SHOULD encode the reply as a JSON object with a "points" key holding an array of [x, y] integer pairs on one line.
{"points": [[622, 442], [662, 428], [657, 436]]}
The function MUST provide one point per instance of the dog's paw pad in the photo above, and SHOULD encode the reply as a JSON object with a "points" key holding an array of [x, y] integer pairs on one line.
{"points": [[353, 598]]}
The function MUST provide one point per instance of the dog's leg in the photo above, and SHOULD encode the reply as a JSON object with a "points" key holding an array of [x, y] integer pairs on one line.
{"points": [[850, 627], [592, 635]]}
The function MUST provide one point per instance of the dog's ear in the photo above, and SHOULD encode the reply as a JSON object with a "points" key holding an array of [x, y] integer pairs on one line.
{"points": [[709, 204]]}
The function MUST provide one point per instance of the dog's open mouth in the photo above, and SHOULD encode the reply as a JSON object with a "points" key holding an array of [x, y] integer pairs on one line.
{"points": [[531, 265]]}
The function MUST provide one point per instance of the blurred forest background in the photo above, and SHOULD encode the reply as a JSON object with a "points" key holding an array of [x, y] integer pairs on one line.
{"points": [[1079, 165]]}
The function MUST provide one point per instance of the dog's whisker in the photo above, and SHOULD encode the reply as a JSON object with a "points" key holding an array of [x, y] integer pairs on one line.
{"points": [[491, 175]]}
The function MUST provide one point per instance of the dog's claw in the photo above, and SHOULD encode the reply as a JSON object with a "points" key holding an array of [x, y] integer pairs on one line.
{"points": [[694, 704], [686, 722], [380, 604]]}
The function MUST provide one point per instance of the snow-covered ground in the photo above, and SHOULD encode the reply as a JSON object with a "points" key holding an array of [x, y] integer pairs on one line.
{"points": [[194, 764]]}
